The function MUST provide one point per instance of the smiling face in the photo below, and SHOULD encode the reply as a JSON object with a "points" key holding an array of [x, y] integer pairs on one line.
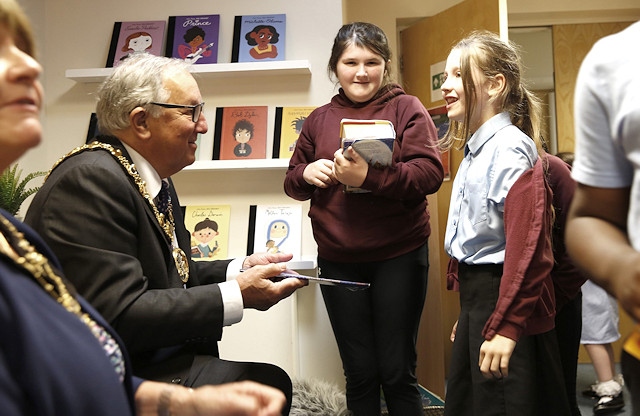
{"points": [[205, 235], [20, 99], [452, 88], [279, 229], [360, 73], [460, 102], [173, 133]]}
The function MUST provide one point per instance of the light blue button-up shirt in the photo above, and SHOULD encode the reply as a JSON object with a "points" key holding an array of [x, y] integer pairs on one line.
{"points": [[495, 157]]}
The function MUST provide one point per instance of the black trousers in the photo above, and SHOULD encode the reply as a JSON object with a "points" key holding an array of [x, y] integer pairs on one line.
{"points": [[568, 331], [376, 330], [631, 373], [535, 384]]}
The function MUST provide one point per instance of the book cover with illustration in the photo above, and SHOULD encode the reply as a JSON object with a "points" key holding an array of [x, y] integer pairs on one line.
{"points": [[209, 229], [240, 133], [275, 229], [287, 126], [372, 139], [135, 36], [259, 38], [193, 38]]}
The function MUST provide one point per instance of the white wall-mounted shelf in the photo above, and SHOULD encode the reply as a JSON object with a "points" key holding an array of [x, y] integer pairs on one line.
{"points": [[236, 69], [249, 164]]}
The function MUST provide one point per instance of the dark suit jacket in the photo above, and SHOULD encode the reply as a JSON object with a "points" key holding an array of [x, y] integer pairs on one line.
{"points": [[108, 240], [50, 362]]}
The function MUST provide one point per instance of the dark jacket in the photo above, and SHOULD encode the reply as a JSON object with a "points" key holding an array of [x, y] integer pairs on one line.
{"points": [[105, 234], [50, 362]]}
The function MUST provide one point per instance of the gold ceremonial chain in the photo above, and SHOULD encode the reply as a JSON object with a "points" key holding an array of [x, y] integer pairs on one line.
{"points": [[166, 223], [37, 265]]}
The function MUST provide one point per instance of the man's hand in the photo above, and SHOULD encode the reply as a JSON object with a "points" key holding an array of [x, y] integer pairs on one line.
{"points": [[258, 289], [495, 355], [265, 258], [350, 168]]}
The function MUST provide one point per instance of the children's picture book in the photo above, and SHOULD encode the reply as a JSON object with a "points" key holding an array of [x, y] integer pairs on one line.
{"points": [[372, 139], [287, 127], [135, 36], [193, 38], [259, 38], [209, 229], [324, 281], [275, 229], [240, 133]]}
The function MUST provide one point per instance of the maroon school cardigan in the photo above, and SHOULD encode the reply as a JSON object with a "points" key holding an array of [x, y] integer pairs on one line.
{"points": [[526, 304]]}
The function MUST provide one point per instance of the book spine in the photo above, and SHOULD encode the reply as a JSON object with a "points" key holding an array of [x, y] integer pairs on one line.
{"points": [[252, 229], [114, 44], [217, 134], [171, 32], [235, 50], [277, 133], [93, 128]]}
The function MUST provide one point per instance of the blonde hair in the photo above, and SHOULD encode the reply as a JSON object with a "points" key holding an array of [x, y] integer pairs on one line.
{"points": [[15, 20], [491, 56]]}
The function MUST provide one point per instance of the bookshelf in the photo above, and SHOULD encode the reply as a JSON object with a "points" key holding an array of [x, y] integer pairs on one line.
{"points": [[221, 70]]}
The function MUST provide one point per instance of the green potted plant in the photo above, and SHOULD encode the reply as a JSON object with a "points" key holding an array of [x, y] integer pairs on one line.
{"points": [[13, 189]]}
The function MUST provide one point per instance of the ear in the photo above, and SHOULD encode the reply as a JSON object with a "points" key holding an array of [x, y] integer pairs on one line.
{"points": [[496, 85], [139, 119]]}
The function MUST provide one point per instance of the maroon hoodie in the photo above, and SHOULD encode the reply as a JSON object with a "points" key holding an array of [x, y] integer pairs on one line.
{"points": [[393, 218]]}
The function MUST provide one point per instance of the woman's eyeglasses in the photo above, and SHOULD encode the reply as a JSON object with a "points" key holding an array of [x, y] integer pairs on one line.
{"points": [[196, 109]]}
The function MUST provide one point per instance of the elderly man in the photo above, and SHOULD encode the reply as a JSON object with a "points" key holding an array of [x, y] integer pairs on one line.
{"points": [[111, 215]]}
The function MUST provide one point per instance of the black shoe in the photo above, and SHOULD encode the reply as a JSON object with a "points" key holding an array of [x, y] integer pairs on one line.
{"points": [[590, 393], [608, 404]]}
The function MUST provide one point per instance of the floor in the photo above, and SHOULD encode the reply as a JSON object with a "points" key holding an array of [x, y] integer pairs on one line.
{"points": [[586, 376]]}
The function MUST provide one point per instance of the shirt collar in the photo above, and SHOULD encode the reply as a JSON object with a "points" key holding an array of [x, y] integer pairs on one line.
{"points": [[153, 181], [486, 131]]}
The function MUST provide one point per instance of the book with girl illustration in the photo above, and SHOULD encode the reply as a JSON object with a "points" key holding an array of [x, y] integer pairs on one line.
{"points": [[259, 38], [135, 36]]}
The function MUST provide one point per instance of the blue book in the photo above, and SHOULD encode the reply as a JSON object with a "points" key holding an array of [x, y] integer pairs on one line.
{"points": [[259, 38]]}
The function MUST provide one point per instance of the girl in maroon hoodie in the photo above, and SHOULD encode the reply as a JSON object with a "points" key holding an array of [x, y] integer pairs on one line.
{"points": [[379, 236]]}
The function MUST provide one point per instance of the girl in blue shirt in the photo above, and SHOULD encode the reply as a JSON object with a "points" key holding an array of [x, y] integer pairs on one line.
{"points": [[500, 365]]}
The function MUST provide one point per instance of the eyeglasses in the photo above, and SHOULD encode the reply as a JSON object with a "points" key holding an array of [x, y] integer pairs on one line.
{"points": [[196, 109]]}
